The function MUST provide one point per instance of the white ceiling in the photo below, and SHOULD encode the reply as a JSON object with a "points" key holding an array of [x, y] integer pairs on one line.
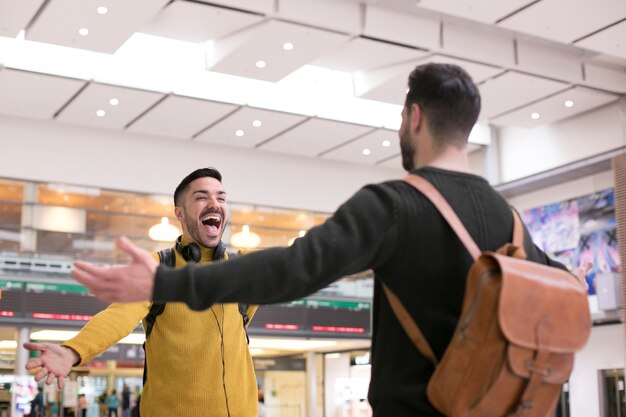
{"points": [[336, 93]]}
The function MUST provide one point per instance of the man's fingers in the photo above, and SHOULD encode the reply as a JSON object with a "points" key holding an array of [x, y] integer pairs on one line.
{"points": [[32, 364], [87, 275], [41, 374], [33, 346], [125, 245]]}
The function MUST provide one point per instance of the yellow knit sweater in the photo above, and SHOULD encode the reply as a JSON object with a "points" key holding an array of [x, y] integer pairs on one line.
{"points": [[198, 362]]}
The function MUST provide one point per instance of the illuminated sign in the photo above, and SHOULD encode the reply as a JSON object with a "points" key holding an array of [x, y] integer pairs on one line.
{"points": [[49, 316], [274, 326], [338, 329]]}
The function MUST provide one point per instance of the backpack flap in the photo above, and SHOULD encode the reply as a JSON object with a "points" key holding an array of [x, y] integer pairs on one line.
{"points": [[542, 307]]}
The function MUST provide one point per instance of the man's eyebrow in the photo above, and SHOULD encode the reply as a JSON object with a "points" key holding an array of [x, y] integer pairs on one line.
{"points": [[207, 192]]}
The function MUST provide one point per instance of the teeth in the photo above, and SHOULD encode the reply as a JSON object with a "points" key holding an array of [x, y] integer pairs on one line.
{"points": [[214, 216]]}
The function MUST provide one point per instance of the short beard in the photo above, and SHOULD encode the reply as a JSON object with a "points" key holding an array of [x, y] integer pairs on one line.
{"points": [[408, 152]]}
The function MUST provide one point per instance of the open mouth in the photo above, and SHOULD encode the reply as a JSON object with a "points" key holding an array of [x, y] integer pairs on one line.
{"points": [[212, 223]]}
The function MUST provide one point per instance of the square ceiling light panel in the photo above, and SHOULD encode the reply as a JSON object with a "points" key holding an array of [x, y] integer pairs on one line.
{"points": [[560, 106], [361, 54], [566, 20], [370, 148], [485, 11], [181, 117], [108, 106], [249, 126], [271, 50], [198, 22], [35, 95], [89, 25], [16, 15], [513, 90], [314, 137]]}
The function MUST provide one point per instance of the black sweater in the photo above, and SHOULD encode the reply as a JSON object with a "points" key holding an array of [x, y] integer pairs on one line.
{"points": [[394, 230]]}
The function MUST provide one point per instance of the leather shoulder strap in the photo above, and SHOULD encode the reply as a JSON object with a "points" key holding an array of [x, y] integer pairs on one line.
{"points": [[409, 326], [446, 211]]}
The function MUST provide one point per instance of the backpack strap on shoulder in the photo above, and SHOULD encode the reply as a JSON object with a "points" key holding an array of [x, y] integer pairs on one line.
{"points": [[168, 258], [430, 192], [222, 251], [408, 324]]}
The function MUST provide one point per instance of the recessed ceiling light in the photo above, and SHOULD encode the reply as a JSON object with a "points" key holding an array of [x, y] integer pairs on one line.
{"points": [[83, 31], [239, 133], [257, 123], [260, 64], [287, 46], [114, 102], [534, 116], [568, 103], [386, 143], [366, 151], [102, 10], [101, 113]]}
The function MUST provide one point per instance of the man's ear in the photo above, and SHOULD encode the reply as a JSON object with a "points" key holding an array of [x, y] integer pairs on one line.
{"points": [[179, 213], [415, 117]]}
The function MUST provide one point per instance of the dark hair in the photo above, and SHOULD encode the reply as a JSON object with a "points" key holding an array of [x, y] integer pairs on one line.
{"points": [[447, 97], [198, 173]]}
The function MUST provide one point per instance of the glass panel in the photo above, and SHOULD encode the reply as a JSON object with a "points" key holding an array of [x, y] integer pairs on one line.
{"points": [[10, 233], [11, 190]]}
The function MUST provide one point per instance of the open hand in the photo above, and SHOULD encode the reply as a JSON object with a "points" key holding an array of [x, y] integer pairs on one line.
{"points": [[130, 283], [54, 360]]}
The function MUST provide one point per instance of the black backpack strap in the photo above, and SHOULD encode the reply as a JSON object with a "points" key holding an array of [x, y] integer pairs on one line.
{"points": [[166, 257], [219, 253]]}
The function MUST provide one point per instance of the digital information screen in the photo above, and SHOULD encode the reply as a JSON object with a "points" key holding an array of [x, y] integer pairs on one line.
{"points": [[36, 303]]}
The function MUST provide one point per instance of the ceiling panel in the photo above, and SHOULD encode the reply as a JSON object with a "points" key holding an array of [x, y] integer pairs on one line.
{"points": [[248, 127], [393, 162], [390, 84], [15, 15], [512, 90], [346, 17], [107, 106], [366, 54], [197, 22], [486, 11], [566, 20], [560, 106], [241, 54], [406, 29], [259, 6], [368, 149], [180, 117], [35, 95], [61, 20], [610, 41], [314, 137]]}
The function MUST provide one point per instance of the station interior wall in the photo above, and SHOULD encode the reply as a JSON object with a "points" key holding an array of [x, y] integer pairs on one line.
{"points": [[46, 151]]}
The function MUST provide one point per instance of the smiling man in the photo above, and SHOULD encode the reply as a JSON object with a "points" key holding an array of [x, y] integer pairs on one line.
{"points": [[197, 362]]}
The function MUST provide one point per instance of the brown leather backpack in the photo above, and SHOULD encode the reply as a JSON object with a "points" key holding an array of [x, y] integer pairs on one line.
{"points": [[514, 344]]}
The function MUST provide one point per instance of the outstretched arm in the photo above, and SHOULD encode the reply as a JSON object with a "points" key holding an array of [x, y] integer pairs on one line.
{"points": [[133, 282], [55, 361]]}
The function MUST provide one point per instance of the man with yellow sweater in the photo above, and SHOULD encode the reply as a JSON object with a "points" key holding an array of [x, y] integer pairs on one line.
{"points": [[197, 363]]}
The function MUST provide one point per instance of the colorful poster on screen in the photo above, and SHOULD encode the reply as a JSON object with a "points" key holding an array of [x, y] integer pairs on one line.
{"points": [[577, 231]]}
